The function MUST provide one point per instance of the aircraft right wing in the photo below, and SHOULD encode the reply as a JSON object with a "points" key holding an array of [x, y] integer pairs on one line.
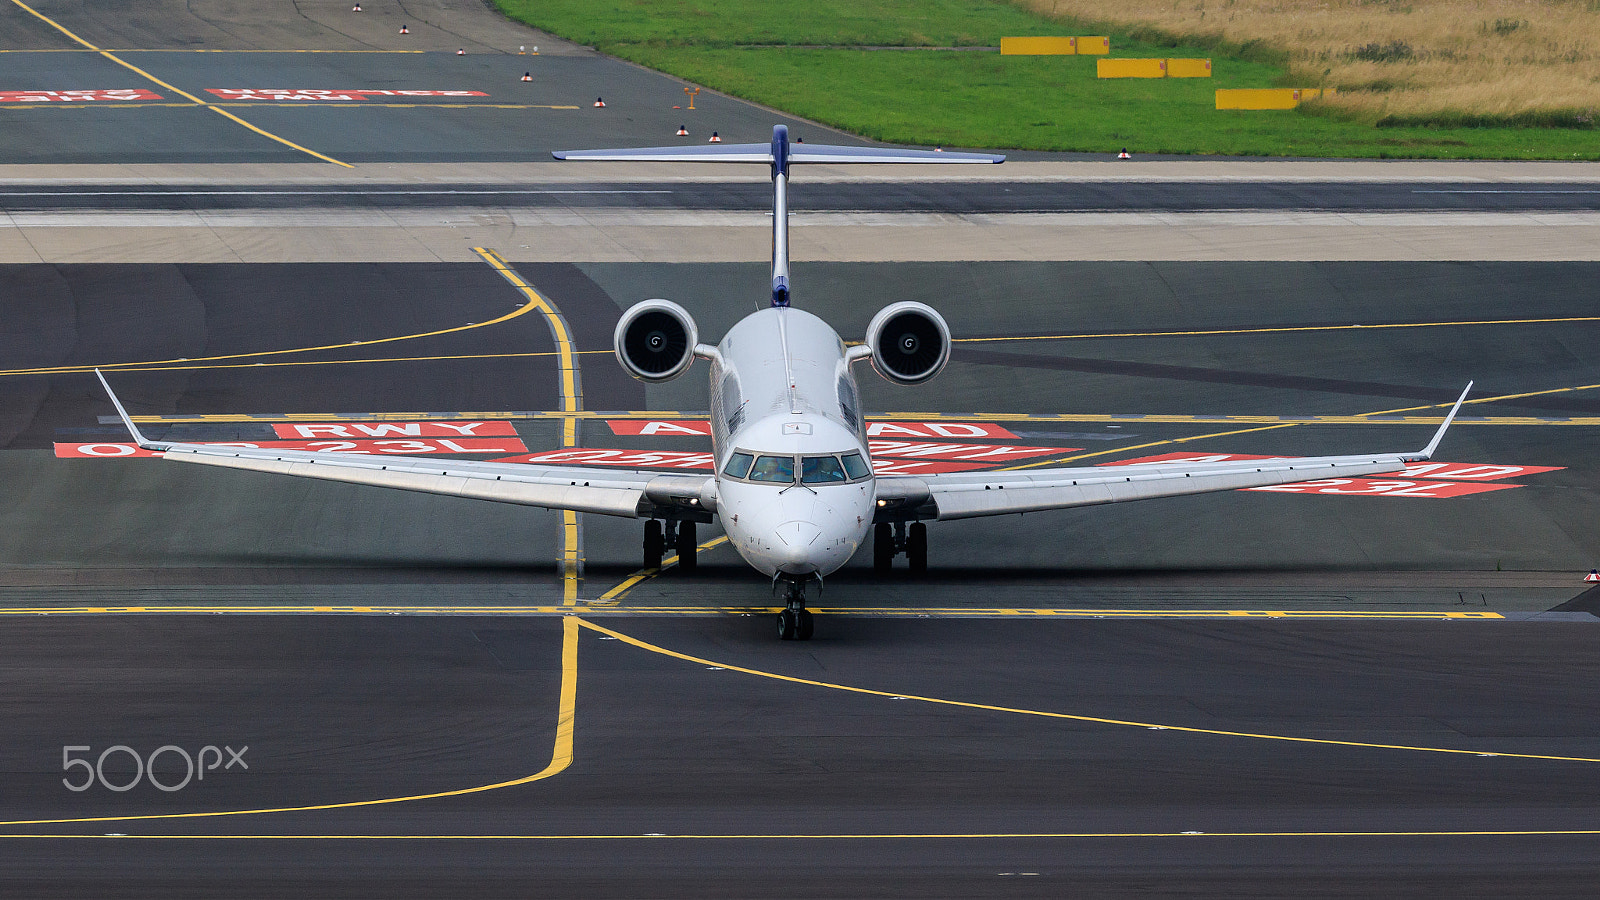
{"points": [[613, 492], [966, 495]]}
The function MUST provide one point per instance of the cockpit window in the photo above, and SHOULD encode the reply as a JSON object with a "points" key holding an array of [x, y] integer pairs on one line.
{"points": [[738, 465], [855, 467], [821, 470], [774, 469]]}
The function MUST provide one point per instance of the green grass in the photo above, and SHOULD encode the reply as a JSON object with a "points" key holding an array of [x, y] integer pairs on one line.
{"points": [[979, 99]]}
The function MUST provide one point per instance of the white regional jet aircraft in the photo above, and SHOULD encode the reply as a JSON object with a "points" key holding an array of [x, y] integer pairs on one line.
{"points": [[793, 484]]}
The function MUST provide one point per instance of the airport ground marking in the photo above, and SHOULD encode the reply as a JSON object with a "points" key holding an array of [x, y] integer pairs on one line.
{"points": [[1055, 461], [571, 404], [825, 836], [1096, 720], [530, 306], [176, 90], [609, 605], [615, 595], [219, 106], [560, 758], [1282, 329], [665, 414]]}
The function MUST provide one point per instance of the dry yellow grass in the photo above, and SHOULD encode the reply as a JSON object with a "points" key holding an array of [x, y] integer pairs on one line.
{"points": [[1530, 60]]}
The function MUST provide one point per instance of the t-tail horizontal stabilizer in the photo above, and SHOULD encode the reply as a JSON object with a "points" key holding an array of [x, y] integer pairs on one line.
{"points": [[779, 154]]}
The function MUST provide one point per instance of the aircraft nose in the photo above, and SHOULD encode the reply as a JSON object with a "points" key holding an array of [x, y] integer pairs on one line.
{"points": [[795, 547]]}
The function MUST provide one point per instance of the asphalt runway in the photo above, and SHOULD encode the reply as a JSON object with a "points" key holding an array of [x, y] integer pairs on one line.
{"points": [[955, 198], [1354, 690]]}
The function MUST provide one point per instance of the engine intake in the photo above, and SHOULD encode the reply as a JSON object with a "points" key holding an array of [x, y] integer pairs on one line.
{"points": [[655, 340], [910, 342]]}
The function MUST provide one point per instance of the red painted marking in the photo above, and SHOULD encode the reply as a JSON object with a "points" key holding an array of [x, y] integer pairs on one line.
{"points": [[682, 459], [1472, 471], [937, 430], [320, 94], [633, 459], [76, 96], [914, 430], [1431, 470], [923, 466], [1378, 487], [992, 454], [1188, 458], [669, 427], [362, 430], [106, 450], [114, 450]]}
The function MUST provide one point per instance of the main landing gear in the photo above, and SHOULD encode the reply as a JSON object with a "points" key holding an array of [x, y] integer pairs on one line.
{"points": [[679, 536], [890, 540], [794, 623]]}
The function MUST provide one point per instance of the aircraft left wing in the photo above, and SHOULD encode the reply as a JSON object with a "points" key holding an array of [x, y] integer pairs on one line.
{"points": [[612, 492], [973, 494]]}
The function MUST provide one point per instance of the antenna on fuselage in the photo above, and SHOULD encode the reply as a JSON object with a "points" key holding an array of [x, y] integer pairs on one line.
{"points": [[779, 154]]}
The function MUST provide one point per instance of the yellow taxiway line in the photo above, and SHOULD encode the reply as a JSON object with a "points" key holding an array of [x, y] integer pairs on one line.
{"points": [[607, 608], [827, 836], [1280, 329], [571, 405], [176, 90], [560, 759], [1047, 714]]}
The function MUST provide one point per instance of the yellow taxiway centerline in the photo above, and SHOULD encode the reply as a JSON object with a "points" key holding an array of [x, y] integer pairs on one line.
{"points": [[1098, 720], [571, 405], [176, 90], [826, 836], [632, 581], [560, 759], [1280, 329]]}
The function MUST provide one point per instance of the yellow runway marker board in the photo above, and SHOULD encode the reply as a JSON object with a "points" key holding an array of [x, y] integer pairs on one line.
{"points": [[1130, 68], [1265, 98]]}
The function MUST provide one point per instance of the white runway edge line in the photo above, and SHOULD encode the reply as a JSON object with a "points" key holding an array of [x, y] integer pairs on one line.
{"points": [[305, 193], [529, 216]]}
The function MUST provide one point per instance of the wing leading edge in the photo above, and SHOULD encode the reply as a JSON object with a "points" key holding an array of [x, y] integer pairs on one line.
{"points": [[611, 492], [970, 495]]}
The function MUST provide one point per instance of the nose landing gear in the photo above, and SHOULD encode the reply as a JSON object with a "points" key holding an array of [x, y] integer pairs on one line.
{"points": [[794, 623]]}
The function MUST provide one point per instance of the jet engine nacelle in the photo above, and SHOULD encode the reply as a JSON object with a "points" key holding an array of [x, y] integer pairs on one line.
{"points": [[910, 342], [655, 340]]}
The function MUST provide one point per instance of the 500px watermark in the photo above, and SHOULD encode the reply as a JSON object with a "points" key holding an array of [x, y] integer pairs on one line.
{"points": [[195, 767]]}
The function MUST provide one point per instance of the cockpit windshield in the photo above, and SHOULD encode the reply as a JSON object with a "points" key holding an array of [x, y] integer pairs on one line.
{"points": [[821, 470], [773, 469]]}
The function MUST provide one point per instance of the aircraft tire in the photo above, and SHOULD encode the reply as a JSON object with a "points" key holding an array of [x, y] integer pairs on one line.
{"points": [[917, 548], [882, 547], [688, 558], [654, 546], [788, 625], [804, 627]]}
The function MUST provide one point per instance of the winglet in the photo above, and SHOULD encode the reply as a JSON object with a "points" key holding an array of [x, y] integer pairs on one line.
{"points": [[1427, 452], [138, 438]]}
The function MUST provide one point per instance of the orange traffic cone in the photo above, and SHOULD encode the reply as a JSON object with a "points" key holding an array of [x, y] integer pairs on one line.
{"points": [[715, 139], [682, 131], [356, 8], [1594, 575], [1124, 154], [599, 103], [527, 76], [461, 52], [404, 30]]}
